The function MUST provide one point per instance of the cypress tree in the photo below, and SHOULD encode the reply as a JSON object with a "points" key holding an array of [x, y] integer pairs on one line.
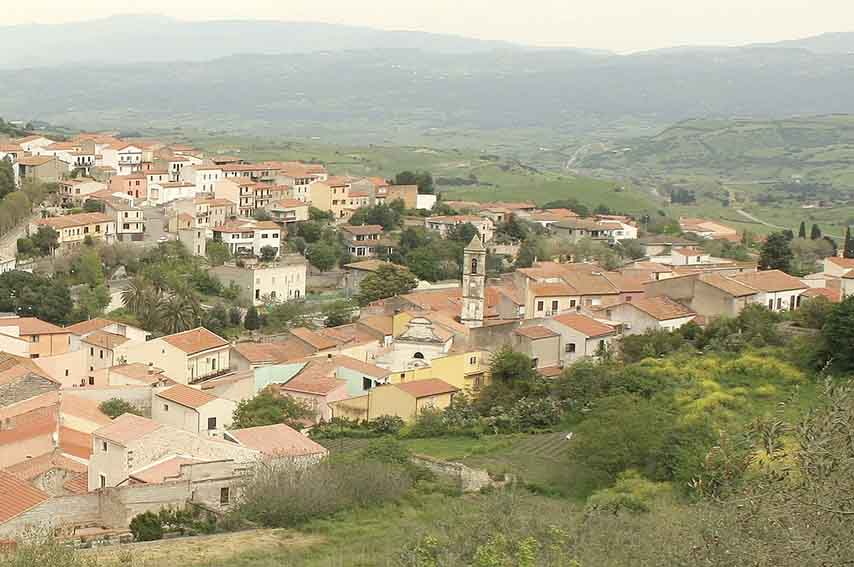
{"points": [[815, 233], [802, 231], [848, 251]]}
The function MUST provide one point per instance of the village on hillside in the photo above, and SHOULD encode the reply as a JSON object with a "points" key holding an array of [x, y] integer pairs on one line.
{"points": [[156, 294]]}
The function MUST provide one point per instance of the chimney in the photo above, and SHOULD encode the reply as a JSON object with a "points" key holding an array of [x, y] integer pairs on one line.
{"points": [[150, 368]]}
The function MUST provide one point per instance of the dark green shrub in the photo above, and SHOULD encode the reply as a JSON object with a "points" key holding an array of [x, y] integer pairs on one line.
{"points": [[147, 526]]}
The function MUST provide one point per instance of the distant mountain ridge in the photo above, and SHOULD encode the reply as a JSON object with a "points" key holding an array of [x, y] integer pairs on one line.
{"points": [[152, 38]]}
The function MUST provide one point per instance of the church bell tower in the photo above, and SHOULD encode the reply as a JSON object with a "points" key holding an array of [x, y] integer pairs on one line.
{"points": [[474, 283]]}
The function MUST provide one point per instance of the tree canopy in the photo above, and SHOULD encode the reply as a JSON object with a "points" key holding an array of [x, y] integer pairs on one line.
{"points": [[387, 281], [269, 408]]}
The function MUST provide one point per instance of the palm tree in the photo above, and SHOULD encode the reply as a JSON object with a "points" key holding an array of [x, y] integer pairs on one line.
{"points": [[180, 311], [136, 296]]}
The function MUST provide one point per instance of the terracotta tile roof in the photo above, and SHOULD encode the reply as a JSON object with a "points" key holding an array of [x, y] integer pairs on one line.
{"points": [[381, 323], [585, 325], [83, 408], [287, 204], [34, 161], [45, 400], [427, 388], [314, 339], [186, 396], [510, 292], [75, 443], [279, 352], [195, 340], [77, 484], [18, 496], [770, 281], [70, 221], [552, 290], [277, 441], [625, 283], [834, 295], [85, 327], [728, 285], [591, 284], [37, 466], [139, 371], [162, 471], [313, 379], [126, 429], [847, 263], [359, 366], [661, 308], [535, 332], [105, 340], [31, 326], [367, 229], [348, 335]]}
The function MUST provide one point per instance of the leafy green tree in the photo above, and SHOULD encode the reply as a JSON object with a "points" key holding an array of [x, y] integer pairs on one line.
{"points": [[310, 231], [268, 253], [261, 215], [216, 320], [146, 527], [93, 300], [802, 230], [7, 177], [424, 180], [412, 238], [838, 334], [813, 312], [513, 377], [217, 253], [815, 232], [513, 229], [33, 295], [776, 253], [88, 268], [387, 217], [252, 321], [114, 407], [93, 206], [463, 233], [424, 263], [269, 408], [387, 281], [285, 315], [45, 240], [338, 313], [322, 256], [234, 316], [319, 215]]}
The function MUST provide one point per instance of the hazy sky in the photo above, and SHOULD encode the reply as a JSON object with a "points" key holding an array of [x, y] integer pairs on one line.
{"points": [[620, 25]]}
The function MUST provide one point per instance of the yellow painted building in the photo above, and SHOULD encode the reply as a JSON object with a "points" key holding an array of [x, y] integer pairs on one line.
{"points": [[406, 401]]}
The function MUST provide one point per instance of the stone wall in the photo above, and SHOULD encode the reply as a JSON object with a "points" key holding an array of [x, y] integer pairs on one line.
{"points": [[469, 479], [137, 396], [28, 387]]}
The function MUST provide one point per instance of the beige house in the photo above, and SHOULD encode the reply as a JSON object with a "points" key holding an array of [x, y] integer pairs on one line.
{"points": [[443, 225], [649, 314], [287, 211], [283, 280], [540, 343], [32, 338], [405, 400], [73, 229], [75, 191], [581, 336], [185, 357], [40, 168], [192, 410]]}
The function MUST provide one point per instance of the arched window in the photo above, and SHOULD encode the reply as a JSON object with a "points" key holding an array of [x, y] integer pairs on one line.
{"points": [[474, 265], [418, 355]]}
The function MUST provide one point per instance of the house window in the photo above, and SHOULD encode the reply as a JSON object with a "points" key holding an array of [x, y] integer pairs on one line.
{"points": [[91, 380], [103, 481], [474, 265], [771, 304], [473, 360], [211, 423], [165, 407], [367, 383], [554, 306], [101, 353], [91, 351], [540, 305], [213, 364], [570, 348], [418, 355], [103, 446], [35, 338], [779, 303], [572, 303]]}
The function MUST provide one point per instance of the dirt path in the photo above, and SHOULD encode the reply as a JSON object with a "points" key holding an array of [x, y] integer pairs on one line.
{"points": [[202, 550], [9, 241], [748, 216]]}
